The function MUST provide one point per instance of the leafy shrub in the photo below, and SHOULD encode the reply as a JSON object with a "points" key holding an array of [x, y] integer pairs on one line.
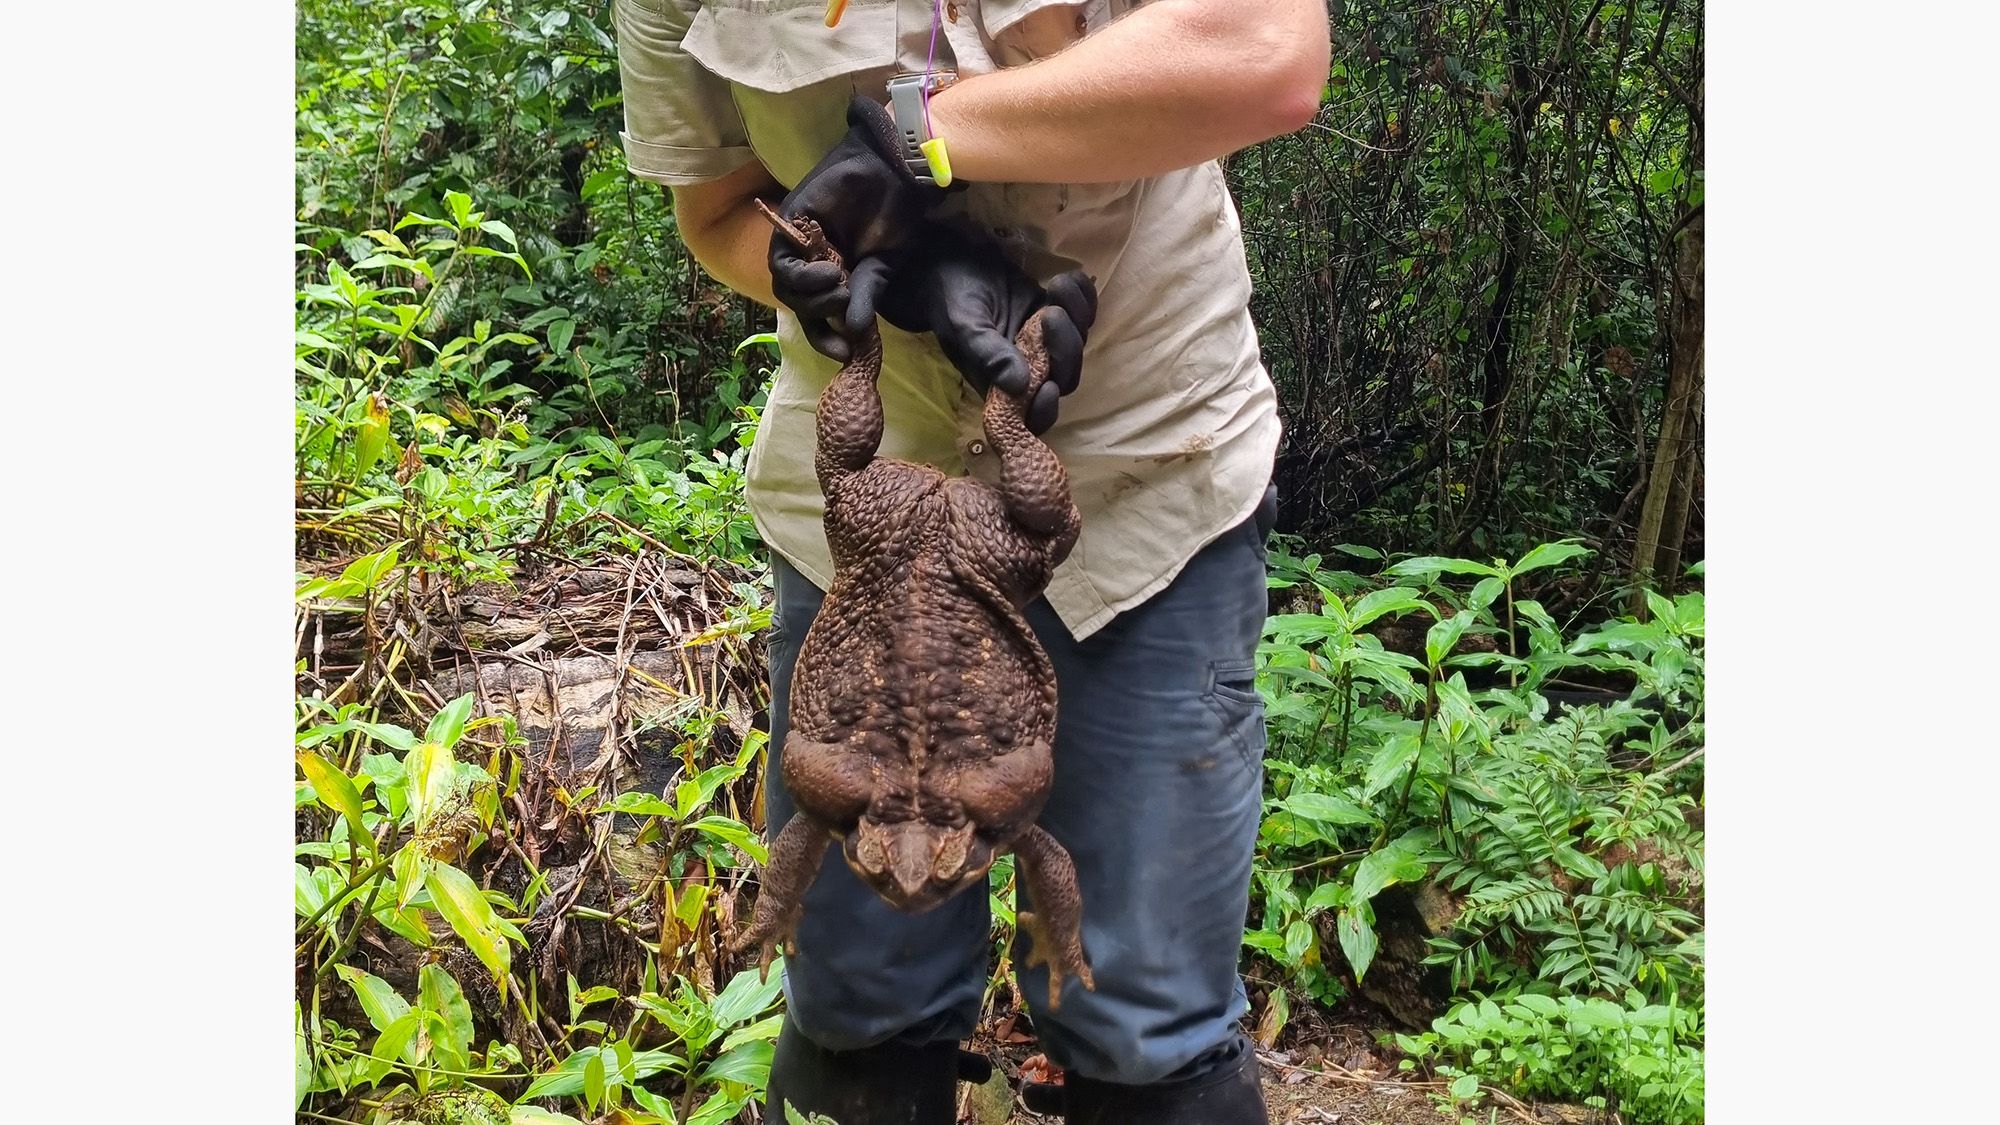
{"points": [[1639, 1058], [1562, 835]]}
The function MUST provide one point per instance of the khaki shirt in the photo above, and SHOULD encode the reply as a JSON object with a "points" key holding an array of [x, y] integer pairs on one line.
{"points": [[1170, 438]]}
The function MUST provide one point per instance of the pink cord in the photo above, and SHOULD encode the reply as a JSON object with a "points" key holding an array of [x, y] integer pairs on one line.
{"points": [[937, 18]]}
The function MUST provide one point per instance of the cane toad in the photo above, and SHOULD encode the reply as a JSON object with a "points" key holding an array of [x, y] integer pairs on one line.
{"points": [[923, 707]]}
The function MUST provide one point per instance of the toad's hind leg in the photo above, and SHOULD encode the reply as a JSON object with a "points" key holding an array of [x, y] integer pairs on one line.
{"points": [[1032, 481], [850, 416], [795, 858], [1055, 926]]}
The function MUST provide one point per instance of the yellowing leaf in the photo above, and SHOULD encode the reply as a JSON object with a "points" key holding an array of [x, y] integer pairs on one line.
{"points": [[431, 770], [338, 793], [464, 906], [373, 434]]}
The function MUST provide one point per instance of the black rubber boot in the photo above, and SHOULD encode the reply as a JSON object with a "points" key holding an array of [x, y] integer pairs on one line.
{"points": [[1229, 1094], [890, 1084]]}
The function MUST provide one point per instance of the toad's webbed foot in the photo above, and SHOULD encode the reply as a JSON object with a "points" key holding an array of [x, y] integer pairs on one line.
{"points": [[1054, 927], [795, 859]]}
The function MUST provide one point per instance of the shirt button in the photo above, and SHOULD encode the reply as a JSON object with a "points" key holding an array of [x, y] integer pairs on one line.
{"points": [[976, 448]]}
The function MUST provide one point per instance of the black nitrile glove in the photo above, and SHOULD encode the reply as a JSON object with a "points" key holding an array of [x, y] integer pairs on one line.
{"points": [[867, 202], [975, 300]]}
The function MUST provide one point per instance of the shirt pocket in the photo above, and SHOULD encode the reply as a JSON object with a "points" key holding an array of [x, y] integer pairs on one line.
{"points": [[1021, 31], [792, 76]]}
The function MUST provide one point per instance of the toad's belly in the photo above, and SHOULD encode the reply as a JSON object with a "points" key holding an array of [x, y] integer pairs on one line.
{"points": [[937, 684]]}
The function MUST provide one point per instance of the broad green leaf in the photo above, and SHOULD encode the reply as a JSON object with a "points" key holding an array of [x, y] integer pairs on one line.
{"points": [[722, 1107], [745, 996], [1390, 762], [409, 866], [640, 804], [566, 1080], [368, 570], [406, 922], [1691, 614], [748, 1063], [1326, 809], [449, 723], [438, 992], [379, 1001], [309, 891], [337, 792], [1393, 599], [1662, 609], [1399, 861], [1298, 939], [388, 734], [1549, 554], [395, 1041], [1310, 626], [463, 905], [1486, 592], [1264, 941], [1465, 1086], [1434, 564], [1327, 894], [1357, 941], [765, 1029], [461, 208], [732, 832], [1444, 635], [652, 1103]]}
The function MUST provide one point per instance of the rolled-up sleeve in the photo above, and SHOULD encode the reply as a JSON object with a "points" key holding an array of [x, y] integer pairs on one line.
{"points": [[681, 125]]}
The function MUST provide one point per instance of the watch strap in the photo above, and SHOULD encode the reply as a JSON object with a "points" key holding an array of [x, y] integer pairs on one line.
{"points": [[906, 105]]}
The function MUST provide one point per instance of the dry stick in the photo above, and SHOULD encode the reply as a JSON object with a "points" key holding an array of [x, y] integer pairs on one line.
{"points": [[797, 236], [1356, 1078]]}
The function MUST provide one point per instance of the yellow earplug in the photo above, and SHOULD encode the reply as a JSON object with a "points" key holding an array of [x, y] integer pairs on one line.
{"points": [[939, 160], [834, 10]]}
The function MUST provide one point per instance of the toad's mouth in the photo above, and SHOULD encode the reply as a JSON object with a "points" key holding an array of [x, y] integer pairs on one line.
{"points": [[915, 865]]}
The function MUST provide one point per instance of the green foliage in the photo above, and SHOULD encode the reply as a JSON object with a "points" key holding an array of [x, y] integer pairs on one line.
{"points": [[392, 822], [474, 479], [402, 108], [1562, 834], [1642, 1059]]}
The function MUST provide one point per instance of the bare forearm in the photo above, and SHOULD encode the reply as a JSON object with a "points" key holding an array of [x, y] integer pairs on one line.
{"points": [[1175, 83], [723, 231]]}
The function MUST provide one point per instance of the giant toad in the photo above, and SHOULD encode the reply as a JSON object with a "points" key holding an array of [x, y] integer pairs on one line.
{"points": [[922, 707]]}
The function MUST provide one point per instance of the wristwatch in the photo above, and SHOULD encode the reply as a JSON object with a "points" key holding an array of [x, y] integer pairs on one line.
{"points": [[906, 105]]}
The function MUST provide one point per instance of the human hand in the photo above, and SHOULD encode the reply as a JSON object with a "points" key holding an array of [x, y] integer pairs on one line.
{"points": [[976, 301], [868, 204]]}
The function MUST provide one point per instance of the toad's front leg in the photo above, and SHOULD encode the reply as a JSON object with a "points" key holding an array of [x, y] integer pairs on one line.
{"points": [[1055, 926], [795, 859]]}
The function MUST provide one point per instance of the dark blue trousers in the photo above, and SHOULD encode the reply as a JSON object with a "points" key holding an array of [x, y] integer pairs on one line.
{"points": [[1158, 781]]}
